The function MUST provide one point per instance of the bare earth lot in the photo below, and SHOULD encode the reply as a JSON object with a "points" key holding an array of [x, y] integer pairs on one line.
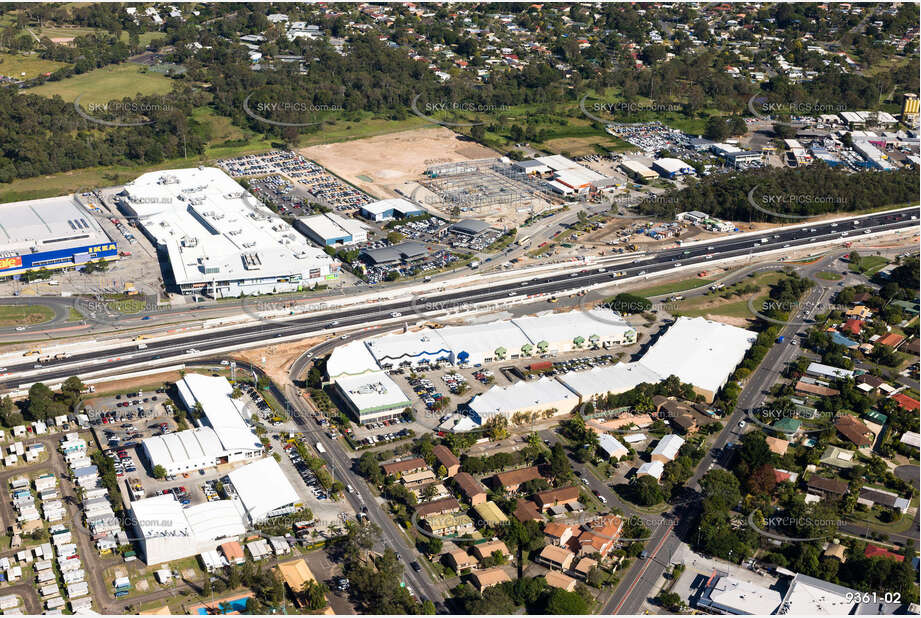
{"points": [[394, 159]]}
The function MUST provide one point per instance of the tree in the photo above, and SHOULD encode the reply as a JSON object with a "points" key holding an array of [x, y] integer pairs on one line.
{"points": [[721, 487], [646, 491], [394, 238], [561, 602], [717, 129], [762, 480], [41, 404], [560, 468], [72, 387], [159, 472], [314, 594], [670, 601], [496, 428]]}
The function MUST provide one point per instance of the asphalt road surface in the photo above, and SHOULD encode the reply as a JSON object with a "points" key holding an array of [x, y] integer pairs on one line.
{"points": [[175, 349]]}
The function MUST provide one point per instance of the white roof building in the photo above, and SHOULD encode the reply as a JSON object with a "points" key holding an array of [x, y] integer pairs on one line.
{"points": [[353, 358], [576, 329], [599, 381], [168, 532], [911, 438], [264, 490], [372, 396], [667, 448], [651, 468], [536, 396], [330, 229], [219, 238], [611, 446], [729, 595], [226, 438], [700, 352], [827, 371]]}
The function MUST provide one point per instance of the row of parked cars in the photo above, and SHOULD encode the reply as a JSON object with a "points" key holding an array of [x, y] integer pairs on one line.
{"points": [[310, 479]]}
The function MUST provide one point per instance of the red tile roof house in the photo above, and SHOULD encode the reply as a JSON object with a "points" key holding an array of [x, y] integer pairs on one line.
{"points": [[906, 402], [447, 459], [875, 551], [512, 480], [852, 326], [892, 340]]}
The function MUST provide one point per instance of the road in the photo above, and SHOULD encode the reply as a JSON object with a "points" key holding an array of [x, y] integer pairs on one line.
{"points": [[637, 585], [162, 352]]}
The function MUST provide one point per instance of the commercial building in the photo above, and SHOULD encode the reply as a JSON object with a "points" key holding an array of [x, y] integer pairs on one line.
{"points": [[330, 229], [393, 208], [615, 379], [264, 490], [165, 531], [54, 233], [218, 238], [405, 253], [637, 171], [699, 352], [372, 397], [499, 340], [470, 227], [543, 397], [728, 595], [224, 437], [671, 168]]}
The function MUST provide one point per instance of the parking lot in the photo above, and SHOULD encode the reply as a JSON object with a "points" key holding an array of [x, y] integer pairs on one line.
{"points": [[282, 196], [322, 187]]}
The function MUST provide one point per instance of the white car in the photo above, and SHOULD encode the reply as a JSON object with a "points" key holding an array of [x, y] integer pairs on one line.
{"points": [[741, 424], [20, 328], [395, 314]]}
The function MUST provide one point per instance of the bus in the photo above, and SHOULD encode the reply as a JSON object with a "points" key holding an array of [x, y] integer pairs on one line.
{"points": [[320, 448]]}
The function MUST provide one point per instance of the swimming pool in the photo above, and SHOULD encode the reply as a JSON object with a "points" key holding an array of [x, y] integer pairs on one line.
{"points": [[230, 606]]}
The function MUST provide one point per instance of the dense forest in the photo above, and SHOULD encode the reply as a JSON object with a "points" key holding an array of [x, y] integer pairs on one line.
{"points": [[806, 191]]}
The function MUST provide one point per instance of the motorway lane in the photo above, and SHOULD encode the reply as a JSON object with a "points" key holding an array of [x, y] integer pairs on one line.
{"points": [[264, 332]]}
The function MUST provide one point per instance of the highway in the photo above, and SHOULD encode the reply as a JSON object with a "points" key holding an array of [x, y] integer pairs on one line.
{"points": [[701, 254]]}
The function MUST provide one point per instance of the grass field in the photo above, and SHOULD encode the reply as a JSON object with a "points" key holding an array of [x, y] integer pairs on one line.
{"points": [[672, 288], [106, 84], [13, 65], [869, 264], [56, 32], [698, 306], [24, 315], [827, 275]]}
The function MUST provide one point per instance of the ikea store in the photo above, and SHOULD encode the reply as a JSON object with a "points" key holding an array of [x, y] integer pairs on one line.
{"points": [[54, 233]]}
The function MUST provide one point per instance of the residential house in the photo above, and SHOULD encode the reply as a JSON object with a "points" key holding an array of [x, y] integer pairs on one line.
{"points": [[584, 566], [484, 550], [458, 560], [611, 446], [667, 448], [556, 579], [912, 439], [490, 514], [836, 550], [651, 468], [407, 466], [854, 430], [906, 403], [555, 497], [526, 510], [827, 488], [778, 446], [869, 383], [487, 578], [860, 312], [438, 507], [892, 340], [817, 390], [598, 536], [513, 479], [447, 459], [875, 551], [558, 533], [471, 488], [449, 524], [880, 497], [852, 326], [556, 557], [412, 480]]}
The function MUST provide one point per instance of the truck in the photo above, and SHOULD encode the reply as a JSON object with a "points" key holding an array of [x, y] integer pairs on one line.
{"points": [[320, 448]]}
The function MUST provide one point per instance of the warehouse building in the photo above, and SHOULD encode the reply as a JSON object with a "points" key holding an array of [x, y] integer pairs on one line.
{"points": [[637, 171], [500, 340], [218, 238], [55, 233], [224, 437], [264, 490], [543, 396], [614, 379], [389, 209], [700, 352], [671, 168], [372, 397], [470, 227], [403, 253], [165, 531], [330, 229]]}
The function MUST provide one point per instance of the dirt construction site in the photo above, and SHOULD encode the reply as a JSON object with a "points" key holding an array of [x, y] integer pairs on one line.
{"points": [[448, 174], [379, 165]]}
